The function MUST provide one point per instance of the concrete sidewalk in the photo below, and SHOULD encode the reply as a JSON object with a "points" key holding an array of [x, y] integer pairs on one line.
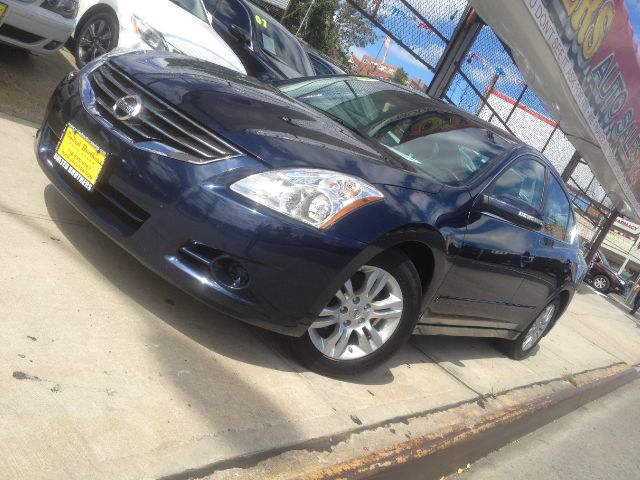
{"points": [[107, 371]]}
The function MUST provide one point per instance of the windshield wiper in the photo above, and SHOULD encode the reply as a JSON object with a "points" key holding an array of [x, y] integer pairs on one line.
{"points": [[341, 121]]}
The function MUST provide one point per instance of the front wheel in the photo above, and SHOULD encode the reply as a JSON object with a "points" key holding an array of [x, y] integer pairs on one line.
{"points": [[601, 283], [96, 36], [366, 321], [522, 346]]}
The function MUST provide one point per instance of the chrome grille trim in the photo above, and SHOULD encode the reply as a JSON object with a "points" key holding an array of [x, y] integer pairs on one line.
{"points": [[159, 128]]}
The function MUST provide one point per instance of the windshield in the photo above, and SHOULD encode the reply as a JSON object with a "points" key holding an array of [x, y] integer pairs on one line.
{"points": [[278, 44], [194, 7], [442, 143]]}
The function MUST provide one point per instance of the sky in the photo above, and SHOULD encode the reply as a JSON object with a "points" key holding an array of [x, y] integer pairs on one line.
{"points": [[634, 14]]}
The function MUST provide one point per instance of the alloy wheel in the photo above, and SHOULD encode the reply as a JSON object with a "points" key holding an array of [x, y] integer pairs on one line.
{"points": [[361, 317], [538, 327], [96, 40], [600, 283]]}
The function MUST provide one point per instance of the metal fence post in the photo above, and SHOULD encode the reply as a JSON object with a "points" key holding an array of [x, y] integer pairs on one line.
{"points": [[457, 48]]}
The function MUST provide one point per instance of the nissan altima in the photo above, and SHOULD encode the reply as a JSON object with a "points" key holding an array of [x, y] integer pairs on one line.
{"points": [[344, 212]]}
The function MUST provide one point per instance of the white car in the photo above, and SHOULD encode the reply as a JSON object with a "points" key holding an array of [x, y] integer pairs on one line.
{"points": [[41, 26], [171, 25]]}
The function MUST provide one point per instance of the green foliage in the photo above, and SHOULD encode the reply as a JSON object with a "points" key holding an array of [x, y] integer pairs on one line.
{"points": [[330, 26], [400, 76]]}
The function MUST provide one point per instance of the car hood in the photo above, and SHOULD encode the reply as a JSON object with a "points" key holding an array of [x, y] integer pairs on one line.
{"points": [[186, 32], [258, 118]]}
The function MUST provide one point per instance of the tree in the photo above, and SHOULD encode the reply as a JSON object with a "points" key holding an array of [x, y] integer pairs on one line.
{"points": [[331, 26], [400, 76]]}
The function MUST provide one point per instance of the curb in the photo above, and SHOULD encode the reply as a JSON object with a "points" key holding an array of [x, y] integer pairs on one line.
{"points": [[433, 444]]}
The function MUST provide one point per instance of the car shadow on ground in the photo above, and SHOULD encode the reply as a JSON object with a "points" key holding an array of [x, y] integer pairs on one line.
{"points": [[218, 332], [27, 80]]}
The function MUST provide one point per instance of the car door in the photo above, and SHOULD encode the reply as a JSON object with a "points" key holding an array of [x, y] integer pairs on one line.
{"points": [[556, 255], [498, 249]]}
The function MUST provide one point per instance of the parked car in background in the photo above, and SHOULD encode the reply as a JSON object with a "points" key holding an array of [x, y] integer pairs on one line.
{"points": [[341, 211], [40, 26], [163, 25], [322, 65], [603, 277], [267, 49]]}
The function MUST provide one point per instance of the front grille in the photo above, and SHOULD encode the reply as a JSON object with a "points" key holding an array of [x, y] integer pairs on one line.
{"points": [[177, 135], [19, 34]]}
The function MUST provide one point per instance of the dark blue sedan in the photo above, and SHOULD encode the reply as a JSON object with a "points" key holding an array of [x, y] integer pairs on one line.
{"points": [[345, 212]]}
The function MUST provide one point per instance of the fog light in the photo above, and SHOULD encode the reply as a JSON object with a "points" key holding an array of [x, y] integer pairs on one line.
{"points": [[228, 271]]}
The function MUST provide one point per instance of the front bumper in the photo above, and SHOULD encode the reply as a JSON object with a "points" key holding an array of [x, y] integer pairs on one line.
{"points": [[29, 26], [162, 210]]}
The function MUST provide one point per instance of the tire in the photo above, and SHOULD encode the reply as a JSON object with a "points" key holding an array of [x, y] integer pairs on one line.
{"points": [[601, 283], [523, 346], [353, 336], [96, 35]]}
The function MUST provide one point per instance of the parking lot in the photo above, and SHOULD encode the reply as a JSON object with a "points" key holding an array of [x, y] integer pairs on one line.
{"points": [[110, 372]]}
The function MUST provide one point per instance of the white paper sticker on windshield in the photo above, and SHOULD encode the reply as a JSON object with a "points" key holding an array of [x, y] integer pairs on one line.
{"points": [[268, 44]]}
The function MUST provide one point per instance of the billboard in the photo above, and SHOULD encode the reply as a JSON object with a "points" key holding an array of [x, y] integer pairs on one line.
{"points": [[580, 58]]}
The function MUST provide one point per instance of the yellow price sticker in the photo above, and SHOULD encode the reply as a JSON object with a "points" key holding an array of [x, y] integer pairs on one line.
{"points": [[261, 21]]}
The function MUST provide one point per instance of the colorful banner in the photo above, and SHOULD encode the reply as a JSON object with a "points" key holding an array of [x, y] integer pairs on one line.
{"points": [[592, 41]]}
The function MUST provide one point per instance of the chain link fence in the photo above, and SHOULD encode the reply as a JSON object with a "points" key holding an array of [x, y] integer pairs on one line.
{"points": [[488, 83]]}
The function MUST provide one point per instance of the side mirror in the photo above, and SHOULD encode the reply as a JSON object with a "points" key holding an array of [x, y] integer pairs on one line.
{"points": [[238, 33], [509, 208]]}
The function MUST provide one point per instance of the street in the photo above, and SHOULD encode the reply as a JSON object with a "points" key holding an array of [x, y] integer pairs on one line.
{"points": [[598, 441]]}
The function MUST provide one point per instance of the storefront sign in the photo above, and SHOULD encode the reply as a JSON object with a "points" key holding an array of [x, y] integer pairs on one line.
{"points": [[593, 44], [627, 226]]}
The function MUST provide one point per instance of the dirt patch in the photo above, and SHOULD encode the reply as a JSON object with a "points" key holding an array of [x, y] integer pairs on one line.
{"points": [[27, 81]]}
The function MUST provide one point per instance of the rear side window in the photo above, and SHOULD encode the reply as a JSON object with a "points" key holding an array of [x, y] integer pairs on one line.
{"points": [[319, 67], [557, 212], [524, 180]]}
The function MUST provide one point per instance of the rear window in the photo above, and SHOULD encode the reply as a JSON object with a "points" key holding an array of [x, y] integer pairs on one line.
{"points": [[279, 44]]}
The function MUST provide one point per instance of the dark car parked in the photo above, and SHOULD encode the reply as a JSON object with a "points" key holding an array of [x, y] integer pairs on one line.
{"points": [[603, 277], [320, 63], [343, 211], [267, 50]]}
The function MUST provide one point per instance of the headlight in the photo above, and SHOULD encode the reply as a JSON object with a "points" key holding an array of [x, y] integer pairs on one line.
{"points": [[316, 197], [149, 35], [66, 8]]}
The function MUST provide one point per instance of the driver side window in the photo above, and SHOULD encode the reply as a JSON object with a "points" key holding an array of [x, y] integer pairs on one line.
{"points": [[524, 180]]}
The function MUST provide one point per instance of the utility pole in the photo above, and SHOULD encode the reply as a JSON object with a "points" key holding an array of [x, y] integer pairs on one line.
{"points": [[595, 245], [306, 15]]}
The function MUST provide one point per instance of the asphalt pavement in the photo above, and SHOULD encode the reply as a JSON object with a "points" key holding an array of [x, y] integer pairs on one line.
{"points": [[599, 441]]}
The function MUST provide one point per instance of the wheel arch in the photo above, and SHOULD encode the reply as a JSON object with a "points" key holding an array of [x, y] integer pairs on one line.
{"points": [[565, 297], [426, 249], [98, 8]]}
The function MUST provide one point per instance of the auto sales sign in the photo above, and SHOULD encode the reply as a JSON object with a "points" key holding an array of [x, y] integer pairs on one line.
{"points": [[592, 41]]}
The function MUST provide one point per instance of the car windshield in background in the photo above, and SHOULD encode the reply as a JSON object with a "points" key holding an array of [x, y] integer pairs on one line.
{"points": [[276, 42], [443, 144], [194, 7]]}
